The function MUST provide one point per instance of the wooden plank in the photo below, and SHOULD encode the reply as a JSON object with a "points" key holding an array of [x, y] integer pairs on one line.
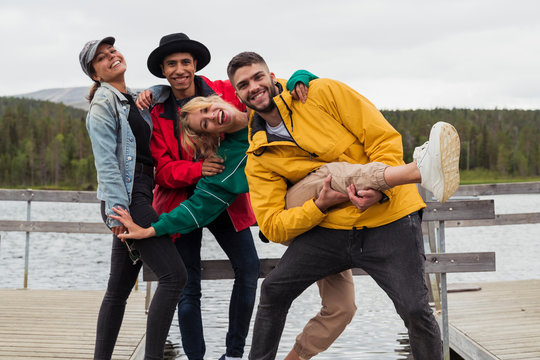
{"points": [[460, 262], [499, 189], [49, 195], [466, 347], [500, 219], [60, 324], [100, 228], [502, 321], [459, 210], [434, 211], [435, 263], [54, 226]]}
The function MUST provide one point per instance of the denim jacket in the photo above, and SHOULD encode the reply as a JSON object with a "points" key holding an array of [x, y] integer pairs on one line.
{"points": [[114, 147]]}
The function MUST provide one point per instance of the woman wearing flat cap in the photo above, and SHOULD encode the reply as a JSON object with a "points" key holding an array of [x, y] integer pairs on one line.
{"points": [[120, 136]]}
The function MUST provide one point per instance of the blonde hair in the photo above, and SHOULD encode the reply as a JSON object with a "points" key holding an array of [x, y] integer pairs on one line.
{"points": [[204, 143]]}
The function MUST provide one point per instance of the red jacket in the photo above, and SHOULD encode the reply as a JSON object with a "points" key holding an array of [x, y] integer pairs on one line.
{"points": [[176, 176]]}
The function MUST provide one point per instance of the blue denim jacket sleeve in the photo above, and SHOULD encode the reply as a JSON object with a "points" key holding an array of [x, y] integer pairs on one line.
{"points": [[104, 131], [160, 93]]}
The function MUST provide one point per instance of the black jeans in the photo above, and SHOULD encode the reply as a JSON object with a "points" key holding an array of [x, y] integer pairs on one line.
{"points": [[393, 255], [160, 255], [241, 251]]}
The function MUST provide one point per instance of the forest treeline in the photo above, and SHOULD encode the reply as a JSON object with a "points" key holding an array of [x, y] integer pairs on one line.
{"points": [[46, 145], [503, 141]]}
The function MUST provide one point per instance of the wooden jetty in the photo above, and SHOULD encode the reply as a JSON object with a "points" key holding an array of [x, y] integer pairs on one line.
{"points": [[501, 321], [61, 324], [55, 324]]}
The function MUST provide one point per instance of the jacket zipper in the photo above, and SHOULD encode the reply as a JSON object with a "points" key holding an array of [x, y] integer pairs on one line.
{"points": [[311, 155]]}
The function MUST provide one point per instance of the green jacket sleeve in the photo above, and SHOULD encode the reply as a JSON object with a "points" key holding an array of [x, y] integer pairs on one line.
{"points": [[302, 76], [200, 209], [213, 194]]}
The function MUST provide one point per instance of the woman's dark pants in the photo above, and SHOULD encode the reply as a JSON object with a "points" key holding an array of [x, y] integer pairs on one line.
{"points": [[160, 255]]}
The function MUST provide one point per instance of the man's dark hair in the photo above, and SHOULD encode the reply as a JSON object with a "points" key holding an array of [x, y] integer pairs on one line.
{"points": [[245, 58]]}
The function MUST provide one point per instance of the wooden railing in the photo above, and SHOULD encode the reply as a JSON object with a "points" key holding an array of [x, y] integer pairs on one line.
{"points": [[462, 210], [99, 228], [457, 211]]}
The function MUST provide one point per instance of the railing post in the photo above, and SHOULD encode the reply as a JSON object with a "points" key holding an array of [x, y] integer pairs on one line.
{"points": [[27, 245], [444, 297], [434, 279], [148, 297], [430, 239]]}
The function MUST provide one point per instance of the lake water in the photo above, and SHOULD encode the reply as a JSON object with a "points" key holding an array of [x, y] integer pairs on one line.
{"points": [[81, 261]]}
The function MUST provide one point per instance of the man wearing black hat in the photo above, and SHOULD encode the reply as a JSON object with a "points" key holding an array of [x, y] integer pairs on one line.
{"points": [[177, 58]]}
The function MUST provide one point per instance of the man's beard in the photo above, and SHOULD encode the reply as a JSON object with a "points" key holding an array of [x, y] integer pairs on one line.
{"points": [[271, 104]]}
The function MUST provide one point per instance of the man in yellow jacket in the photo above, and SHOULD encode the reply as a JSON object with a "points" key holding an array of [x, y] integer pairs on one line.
{"points": [[333, 232]]}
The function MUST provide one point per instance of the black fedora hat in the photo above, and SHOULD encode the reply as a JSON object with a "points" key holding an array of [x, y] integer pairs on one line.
{"points": [[173, 43]]}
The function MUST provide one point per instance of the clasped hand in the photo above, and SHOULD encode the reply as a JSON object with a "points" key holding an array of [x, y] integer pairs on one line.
{"points": [[362, 199], [134, 231]]}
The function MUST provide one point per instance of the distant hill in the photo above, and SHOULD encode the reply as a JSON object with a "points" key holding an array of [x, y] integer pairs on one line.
{"points": [[75, 96], [46, 144]]}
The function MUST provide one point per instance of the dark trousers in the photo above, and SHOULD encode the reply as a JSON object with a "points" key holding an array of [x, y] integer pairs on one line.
{"points": [[393, 255], [241, 252], [160, 255]]}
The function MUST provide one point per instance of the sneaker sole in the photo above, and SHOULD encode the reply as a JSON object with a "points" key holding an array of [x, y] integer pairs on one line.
{"points": [[450, 150]]}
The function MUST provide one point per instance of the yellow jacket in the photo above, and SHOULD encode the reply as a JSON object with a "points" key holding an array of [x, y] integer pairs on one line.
{"points": [[335, 124]]}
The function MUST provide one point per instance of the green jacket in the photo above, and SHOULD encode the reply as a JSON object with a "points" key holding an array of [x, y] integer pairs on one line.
{"points": [[213, 194]]}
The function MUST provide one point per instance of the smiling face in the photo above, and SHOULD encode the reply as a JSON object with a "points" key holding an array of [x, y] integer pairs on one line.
{"points": [[205, 119], [214, 118], [179, 69], [108, 64], [255, 86]]}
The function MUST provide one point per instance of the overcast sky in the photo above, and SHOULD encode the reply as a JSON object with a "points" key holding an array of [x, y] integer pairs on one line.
{"points": [[404, 54]]}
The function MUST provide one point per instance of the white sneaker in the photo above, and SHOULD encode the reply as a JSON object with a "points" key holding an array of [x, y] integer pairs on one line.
{"points": [[438, 161]]}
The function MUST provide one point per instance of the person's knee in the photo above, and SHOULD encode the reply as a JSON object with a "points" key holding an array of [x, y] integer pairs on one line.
{"points": [[272, 292], [343, 311], [348, 311], [248, 271], [192, 290], [116, 295], [180, 278], [415, 313], [176, 279], [188, 306], [189, 301]]}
